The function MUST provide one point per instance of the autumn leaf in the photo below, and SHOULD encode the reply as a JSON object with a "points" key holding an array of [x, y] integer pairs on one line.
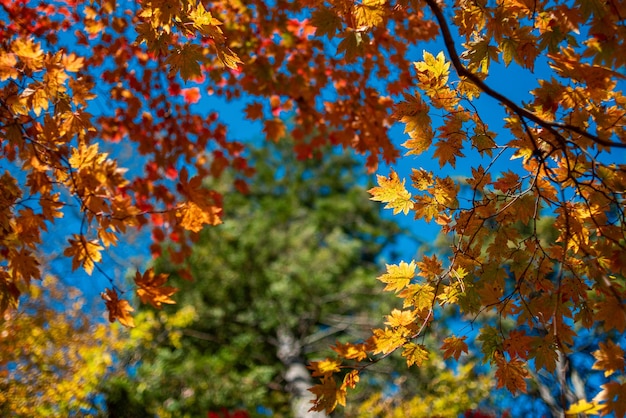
{"points": [[351, 351], [391, 191], [398, 276], [414, 354], [511, 374], [150, 288], [387, 340], [118, 309], [613, 396], [24, 264], [84, 253], [350, 379], [186, 60], [609, 357], [584, 407], [193, 217], [324, 367], [326, 22], [328, 395], [274, 129], [454, 347]]}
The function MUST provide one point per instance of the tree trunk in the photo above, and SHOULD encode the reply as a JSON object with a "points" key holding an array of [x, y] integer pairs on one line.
{"points": [[296, 375]]}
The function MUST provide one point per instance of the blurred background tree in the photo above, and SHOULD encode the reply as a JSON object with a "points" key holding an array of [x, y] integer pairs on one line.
{"points": [[287, 275], [53, 357]]}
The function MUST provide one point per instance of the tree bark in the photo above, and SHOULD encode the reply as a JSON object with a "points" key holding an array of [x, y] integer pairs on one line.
{"points": [[297, 376]]}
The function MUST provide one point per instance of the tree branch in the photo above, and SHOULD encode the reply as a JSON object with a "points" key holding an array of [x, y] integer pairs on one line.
{"points": [[462, 71]]}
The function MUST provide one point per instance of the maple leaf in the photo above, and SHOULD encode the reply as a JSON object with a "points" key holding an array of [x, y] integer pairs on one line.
{"points": [[609, 357], [118, 309], [254, 111], [186, 60], [150, 288], [507, 182], [351, 351], [326, 22], [324, 367], [511, 374], [391, 191], [415, 354], [228, 58], [421, 296], [328, 395], [398, 276], [387, 340], [84, 253], [517, 344], [399, 318], [24, 264], [584, 407], [351, 45], [274, 129], [613, 395], [8, 64], [612, 313], [193, 217], [29, 52], [454, 347], [369, 12], [351, 379], [413, 112], [448, 150]]}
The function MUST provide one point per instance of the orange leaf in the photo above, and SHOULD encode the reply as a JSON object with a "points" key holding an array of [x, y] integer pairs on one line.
{"points": [[118, 309], [454, 347], [85, 253], [511, 374], [328, 395], [609, 357], [150, 288], [350, 351]]}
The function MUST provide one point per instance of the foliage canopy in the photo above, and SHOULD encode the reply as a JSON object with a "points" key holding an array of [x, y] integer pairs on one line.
{"points": [[346, 71]]}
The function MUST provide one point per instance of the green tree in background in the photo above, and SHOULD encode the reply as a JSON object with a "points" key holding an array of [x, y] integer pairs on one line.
{"points": [[287, 275]]}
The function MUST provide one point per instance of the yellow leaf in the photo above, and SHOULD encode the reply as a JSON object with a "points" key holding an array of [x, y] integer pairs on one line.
{"points": [[369, 12], [351, 379], [584, 407], [387, 340], [398, 276], [72, 64], [29, 52], [399, 318], [324, 368], [392, 192], [415, 354]]}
